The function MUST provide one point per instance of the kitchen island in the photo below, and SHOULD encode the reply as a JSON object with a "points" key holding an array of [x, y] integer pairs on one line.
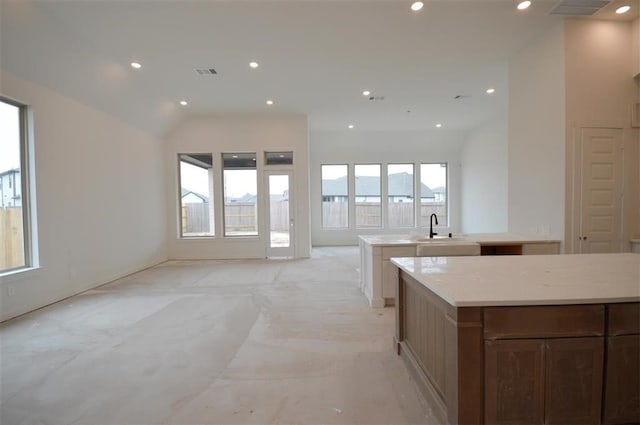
{"points": [[376, 270], [526, 339]]}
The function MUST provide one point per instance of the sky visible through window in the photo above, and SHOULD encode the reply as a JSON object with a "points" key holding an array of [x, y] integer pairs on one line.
{"points": [[196, 179], [9, 137], [431, 176]]}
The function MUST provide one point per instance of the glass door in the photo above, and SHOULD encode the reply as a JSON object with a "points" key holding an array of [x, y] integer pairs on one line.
{"points": [[280, 214]]}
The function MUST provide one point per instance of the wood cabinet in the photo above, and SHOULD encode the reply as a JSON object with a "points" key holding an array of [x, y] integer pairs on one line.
{"points": [[553, 364], [573, 384], [543, 364], [622, 386], [514, 375]]}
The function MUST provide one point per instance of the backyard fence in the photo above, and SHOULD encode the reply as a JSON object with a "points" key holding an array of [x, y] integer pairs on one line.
{"points": [[11, 236], [368, 214], [241, 216]]}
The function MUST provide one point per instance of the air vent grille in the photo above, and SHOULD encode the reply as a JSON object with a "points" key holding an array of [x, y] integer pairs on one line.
{"points": [[205, 71], [578, 7]]}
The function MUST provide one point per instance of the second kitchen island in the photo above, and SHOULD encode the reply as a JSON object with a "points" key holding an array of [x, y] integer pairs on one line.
{"points": [[376, 251]]}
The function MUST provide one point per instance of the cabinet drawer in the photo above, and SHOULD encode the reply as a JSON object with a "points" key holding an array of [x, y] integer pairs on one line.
{"points": [[540, 248], [398, 251], [623, 319], [543, 321]]}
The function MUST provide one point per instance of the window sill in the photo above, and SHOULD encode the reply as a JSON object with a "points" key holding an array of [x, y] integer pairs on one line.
{"points": [[18, 273]]}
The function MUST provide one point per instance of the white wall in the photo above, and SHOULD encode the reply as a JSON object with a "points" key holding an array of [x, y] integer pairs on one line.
{"points": [[238, 133], [342, 147], [600, 92], [536, 155], [484, 175], [100, 199]]}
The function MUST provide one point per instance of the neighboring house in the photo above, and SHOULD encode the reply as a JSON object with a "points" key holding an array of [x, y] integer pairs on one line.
{"points": [[400, 189], [248, 198], [440, 194], [191, 197], [10, 189]]}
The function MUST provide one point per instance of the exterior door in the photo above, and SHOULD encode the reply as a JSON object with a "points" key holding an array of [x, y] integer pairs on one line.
{"points": [[599, 173], [280, 241]]}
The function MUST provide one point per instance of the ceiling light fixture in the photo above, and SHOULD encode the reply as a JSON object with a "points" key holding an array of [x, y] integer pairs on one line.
{"points": [[253, 65], [491, 91], [366, 93], [524, 5], [623, 9], [136, 65], [350, 126], [416, 5], [269, 102], [184, 103], [438, 125]]}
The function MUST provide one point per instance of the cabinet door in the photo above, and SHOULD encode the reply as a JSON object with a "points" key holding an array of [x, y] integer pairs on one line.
{"points": [[514, 381], [542, 248], [389, 277], [573, 393], [389, 269], [622, 390]]}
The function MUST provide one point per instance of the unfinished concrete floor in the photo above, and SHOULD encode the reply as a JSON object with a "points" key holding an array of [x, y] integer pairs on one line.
{"points": [[211, 342]]}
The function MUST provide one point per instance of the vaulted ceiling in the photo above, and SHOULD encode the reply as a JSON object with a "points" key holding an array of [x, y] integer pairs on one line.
{"points": [[315, 57]]}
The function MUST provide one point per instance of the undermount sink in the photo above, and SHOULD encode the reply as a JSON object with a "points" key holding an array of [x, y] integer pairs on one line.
{"points": [[447, 247]]}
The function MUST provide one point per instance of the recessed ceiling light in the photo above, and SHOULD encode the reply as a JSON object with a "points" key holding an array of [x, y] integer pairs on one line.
{"points": [[136, 65], [623, 9], [491, 91], [366, 93], [183, 103], [269, 102], [253, 65], [416, 5], [350, 126], [438, 125], [524, 5]]}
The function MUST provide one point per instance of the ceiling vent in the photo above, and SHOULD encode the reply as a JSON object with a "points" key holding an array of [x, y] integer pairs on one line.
{"points": [[578, 7], [205, 71], [376, 98], [461, 96]]}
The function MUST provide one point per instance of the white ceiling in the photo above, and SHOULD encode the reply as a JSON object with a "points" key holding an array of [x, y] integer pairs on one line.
{"points": [[315, 57]]}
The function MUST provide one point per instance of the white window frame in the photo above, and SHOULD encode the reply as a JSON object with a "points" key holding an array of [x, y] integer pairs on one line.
{"points": [[28, 189]]}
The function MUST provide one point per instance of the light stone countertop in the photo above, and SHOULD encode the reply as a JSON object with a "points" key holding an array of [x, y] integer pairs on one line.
{"points": [[481, 238], [528, 279]]}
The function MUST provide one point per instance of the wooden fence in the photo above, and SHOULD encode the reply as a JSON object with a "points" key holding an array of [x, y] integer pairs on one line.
{"points": [[12, 238], [241, 217], [334, 214]]}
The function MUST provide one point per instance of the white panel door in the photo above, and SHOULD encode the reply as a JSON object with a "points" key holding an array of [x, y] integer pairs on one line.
{"points": [[600, 168]]}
